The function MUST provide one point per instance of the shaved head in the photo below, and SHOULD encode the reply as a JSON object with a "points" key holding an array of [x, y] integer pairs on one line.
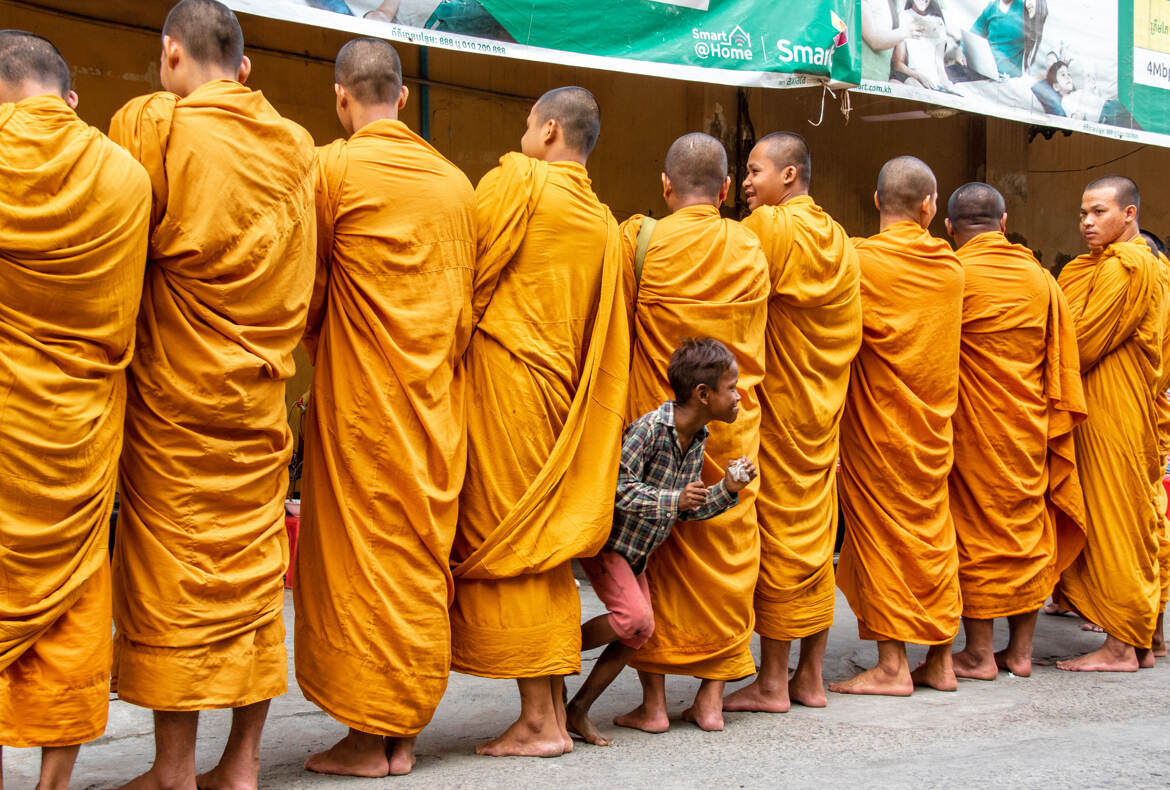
{"points": [[369, 69], [576, 111], [696, 165], [975, 208], [1125, 191], [208, 31], [903, 183], [28, 58], [788, 149]]}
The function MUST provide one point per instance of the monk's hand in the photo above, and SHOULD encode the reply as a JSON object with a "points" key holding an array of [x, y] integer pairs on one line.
{"points": [[693, 496], [740, 472]]}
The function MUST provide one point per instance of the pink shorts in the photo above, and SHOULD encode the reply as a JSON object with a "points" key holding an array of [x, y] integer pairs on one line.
{"points": [[626, 596]]}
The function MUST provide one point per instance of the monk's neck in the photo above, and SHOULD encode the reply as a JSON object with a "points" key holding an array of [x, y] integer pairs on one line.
{"points": [[962, 237], [891, 219], [793, 193], [679, 204], [361, 117]]}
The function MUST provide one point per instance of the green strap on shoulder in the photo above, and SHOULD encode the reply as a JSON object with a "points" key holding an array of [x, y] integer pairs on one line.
{"points": [[644, 234]]}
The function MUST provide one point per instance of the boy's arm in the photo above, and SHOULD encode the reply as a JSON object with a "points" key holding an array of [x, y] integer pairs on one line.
{"points": [[633, 495], [719, 500]]}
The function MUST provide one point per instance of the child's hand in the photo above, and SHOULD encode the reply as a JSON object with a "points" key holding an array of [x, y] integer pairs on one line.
{"points": [[693, 496], [740, 472]]}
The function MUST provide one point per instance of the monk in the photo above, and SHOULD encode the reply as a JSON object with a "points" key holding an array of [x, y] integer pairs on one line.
{"points": [[549, 362], [1118, 295], [201, 549], [385, 451], [899, 564], [1015, 496], [814, 332], [701, 275], [74, 218]]}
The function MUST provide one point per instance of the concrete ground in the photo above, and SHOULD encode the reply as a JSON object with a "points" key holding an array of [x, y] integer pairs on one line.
{"points": [[1055, 729]]}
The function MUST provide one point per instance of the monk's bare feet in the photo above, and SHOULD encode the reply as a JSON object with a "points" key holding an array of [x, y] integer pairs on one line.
{"points": [[937, 672], [560, 701], [758, 697], [363, 754], [646, 721], [1145, 658], [878, 680], [400, 754], [1052, 609], [1020, 666], [526, 740], [220, 779], [151, 781], [1158, 646], [976, 667], [1113, 656], [704, 718], [1092, 628], [807, 688], [577, 721]]}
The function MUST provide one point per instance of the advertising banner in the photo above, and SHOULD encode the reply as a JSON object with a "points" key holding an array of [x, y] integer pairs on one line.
{"points": [[733, 42]]}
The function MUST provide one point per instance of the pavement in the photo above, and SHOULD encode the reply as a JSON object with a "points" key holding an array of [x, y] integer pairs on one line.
{"points": [[1055, 729]]}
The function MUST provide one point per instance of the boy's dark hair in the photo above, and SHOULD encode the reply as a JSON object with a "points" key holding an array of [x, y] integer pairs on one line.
{"points": [[697, 361]]}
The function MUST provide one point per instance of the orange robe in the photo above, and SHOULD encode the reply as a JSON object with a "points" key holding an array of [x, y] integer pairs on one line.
{"points": [[74, 218], [200, 549], [1118, 300], [814, 332], [703, 276], [1162, 403], [1015, 496], [548, 366], [899, 563], [385, 451]]}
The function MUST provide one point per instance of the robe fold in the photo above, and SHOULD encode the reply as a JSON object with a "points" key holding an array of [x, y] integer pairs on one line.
{"points": [[1118, 301], [814, 332], [547, 370], [899, 563], [201, 548], [385, 441], [1162, 403], [74, 220], [703, 276], [1014, 492]]}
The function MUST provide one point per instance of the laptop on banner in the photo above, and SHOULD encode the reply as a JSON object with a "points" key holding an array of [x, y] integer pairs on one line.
{"points": [[980, 58]]}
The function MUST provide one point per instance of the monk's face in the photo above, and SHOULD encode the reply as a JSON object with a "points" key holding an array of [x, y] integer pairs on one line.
{"points": [[764, 184], [1103, 218], [724, 399]]}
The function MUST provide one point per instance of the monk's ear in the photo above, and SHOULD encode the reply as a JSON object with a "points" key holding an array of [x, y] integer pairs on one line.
{"points": [[551, 131], [244, 71], [1003, 223], [876, 203], [1131, 213], [950, 227], [71, 100], [788, 175], [172, 52], [667, 187], [403, 95], [723, 192]]}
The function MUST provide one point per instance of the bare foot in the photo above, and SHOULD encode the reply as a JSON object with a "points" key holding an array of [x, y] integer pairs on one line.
{"points": [[1158, 646], [878, 680], [756, 698], [577, 721], [351, 756], [1102, 660], [525, 740], [1092, 628], [1145, 658], [400, 754], [218, 779], [1019, 666], [150, 781], [807, 689], [938, 675], [640, 719], [968, 665], [1054, 610], [710, 721]]}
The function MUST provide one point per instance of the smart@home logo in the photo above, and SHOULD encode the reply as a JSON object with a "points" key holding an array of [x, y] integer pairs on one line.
{"points": [[733, 44]]}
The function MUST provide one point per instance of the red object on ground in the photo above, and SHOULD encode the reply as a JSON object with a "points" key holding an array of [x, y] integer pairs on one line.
{"points": [[292, 525]]}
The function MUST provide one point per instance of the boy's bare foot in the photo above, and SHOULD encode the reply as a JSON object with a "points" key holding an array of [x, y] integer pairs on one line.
{"points": [[807, 688], [704, 719], [1145, 658], [1020, 666], [936, 672], [361, 755], [524, 740], [577, 721], [969, 665], [758, 698], [400, 753], [878, 680], [1113, 656], [646, 721]]}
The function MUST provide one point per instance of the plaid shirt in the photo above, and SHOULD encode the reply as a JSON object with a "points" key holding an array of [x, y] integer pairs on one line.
{"points": [[653, 474]]}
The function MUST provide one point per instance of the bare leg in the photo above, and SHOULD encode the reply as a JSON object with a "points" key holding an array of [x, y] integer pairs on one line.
{"points": [[707, 709], [891, 676], [559, 695], [536, 733], [1158, 646], [401, 755], [597, 632], [613, 660], [1113, 656], [1017, 657], [807, 686], [174, 753], [56, 767], [768, 693], [357, 754], [650, 716], [977, 658], [239, 765], [938, 670]]}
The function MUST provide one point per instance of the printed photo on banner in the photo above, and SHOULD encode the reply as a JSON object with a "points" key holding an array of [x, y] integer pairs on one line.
{"points": [[466, 17]]}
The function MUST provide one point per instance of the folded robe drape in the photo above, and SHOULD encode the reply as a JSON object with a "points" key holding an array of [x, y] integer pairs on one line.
{"points": [[899, 563], [814, 332], [1162, 404], [547, 370], [74, 219], [1014, 491], [385, 451], [1118, 301], [201, 547], [702, 276]]}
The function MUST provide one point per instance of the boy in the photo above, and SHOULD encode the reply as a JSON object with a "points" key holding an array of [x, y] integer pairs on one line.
{"points": [[658, 484]]}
